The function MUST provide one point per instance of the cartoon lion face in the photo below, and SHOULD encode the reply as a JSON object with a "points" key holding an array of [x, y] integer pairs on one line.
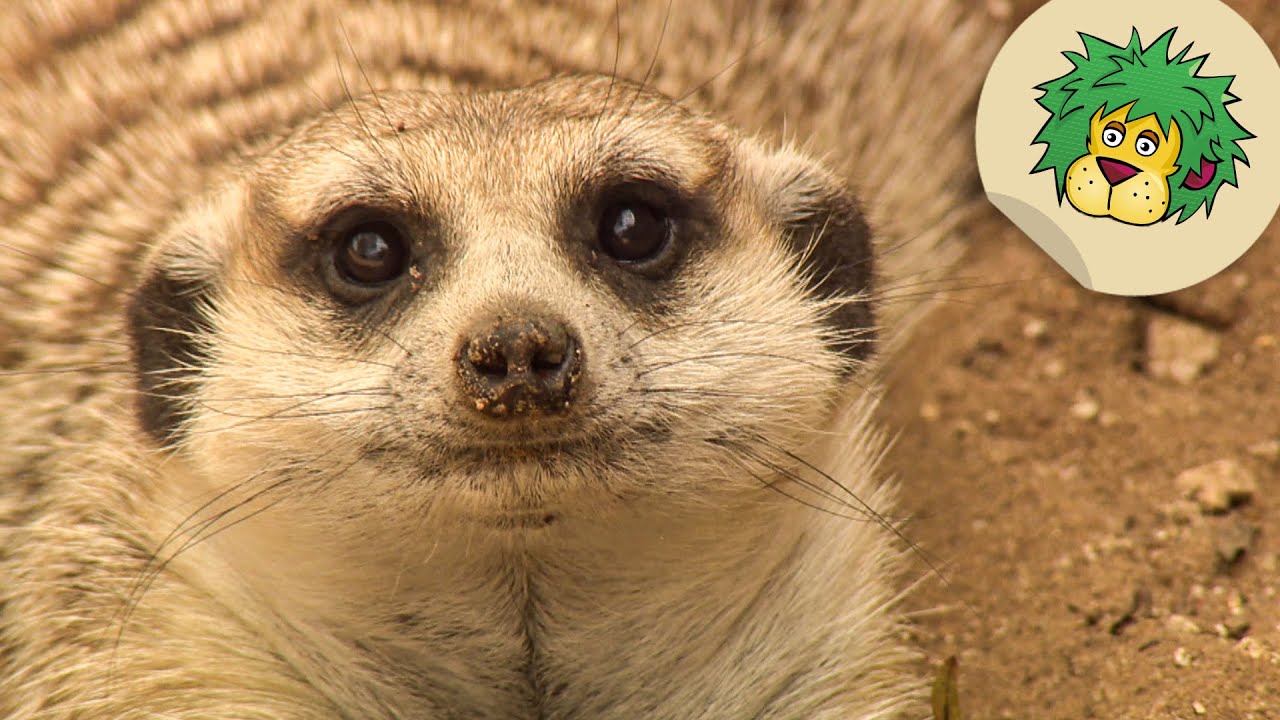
{"points": [[1139, 137], [1125, 173]]}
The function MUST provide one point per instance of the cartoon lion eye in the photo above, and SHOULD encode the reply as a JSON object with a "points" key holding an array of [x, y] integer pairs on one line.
{"points": [[1147, 144], [1113, 135]]}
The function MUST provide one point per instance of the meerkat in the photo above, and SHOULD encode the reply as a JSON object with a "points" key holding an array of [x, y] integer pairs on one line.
{"points": [[433, 361]]}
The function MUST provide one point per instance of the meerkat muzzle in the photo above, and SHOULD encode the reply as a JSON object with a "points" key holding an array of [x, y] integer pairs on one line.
{"points": [[524, 367]]}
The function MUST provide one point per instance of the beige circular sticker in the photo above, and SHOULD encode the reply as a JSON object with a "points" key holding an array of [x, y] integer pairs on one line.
{"points": [[1137, 142]]}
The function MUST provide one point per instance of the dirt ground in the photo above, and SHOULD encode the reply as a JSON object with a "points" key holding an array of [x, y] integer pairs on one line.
{"points": [[1043, 432]]}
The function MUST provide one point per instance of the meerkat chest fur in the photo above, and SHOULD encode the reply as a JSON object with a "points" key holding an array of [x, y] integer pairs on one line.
{"points": [[418, 385]]}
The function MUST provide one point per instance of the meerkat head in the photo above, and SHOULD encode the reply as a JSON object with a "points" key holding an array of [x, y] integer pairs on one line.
{"points": [[492, 303]]}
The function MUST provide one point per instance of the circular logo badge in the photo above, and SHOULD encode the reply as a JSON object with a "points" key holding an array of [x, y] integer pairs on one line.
{"points": [[1137, 143]]}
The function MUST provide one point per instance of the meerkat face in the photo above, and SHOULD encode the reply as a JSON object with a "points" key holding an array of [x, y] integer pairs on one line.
{"points": [[492, 303]]}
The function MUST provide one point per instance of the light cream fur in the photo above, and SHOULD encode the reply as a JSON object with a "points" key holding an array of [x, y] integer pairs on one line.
{"points": [[273, 567]]}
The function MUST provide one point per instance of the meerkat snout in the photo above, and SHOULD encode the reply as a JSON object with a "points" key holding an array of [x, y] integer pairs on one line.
{"points": [[520, 367]]}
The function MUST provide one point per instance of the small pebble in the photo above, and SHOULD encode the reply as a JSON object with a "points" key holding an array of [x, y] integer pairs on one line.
{"points": [[1182, 657], [1232, 541], [1054, 369], [1252, 648], [1231, 631], [1000, 9], [1199, 708], [1183, 625], [1085, 408], [1035, 329], [1268, 450], [1179, 350], [1236, 602], [930, 411], [1217, 486]]}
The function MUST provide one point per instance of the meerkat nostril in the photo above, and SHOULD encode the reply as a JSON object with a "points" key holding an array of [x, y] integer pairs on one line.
{"points": [[548, 360], [487, 358]]}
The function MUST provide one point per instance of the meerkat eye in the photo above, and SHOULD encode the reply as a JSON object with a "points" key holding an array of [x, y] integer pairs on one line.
{"points": [[1147, 144], [371, 254], [1113, 135], [632, 231]]}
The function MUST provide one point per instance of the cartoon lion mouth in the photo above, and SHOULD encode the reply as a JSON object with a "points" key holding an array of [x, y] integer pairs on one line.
{"points": [[1116, 171], [1200, 180]]}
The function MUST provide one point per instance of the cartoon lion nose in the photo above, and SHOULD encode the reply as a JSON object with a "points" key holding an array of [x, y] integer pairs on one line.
{"points": [[520, 367], [1116, 171]]}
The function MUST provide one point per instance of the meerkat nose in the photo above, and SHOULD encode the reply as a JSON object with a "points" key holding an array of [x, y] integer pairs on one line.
{"points": [[520, 367]]}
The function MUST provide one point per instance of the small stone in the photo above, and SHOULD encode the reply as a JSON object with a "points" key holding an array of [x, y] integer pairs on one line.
{"points": [[1232, 630], [1266, 342], [1000, 9], [1089, 552], [1232, 541], [1085, 408], [1035, 329], [991, 417], [1183, 625], [930, 411], [1251, 648], [1217, 486], [1054, 369], [1236, 602], [1178, 350], [1107, 419], [1268, 450], [1199, 708], [1182, 657]]}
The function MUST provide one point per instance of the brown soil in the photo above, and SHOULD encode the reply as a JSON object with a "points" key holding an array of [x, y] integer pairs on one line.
{"points": [[1039, 451]]}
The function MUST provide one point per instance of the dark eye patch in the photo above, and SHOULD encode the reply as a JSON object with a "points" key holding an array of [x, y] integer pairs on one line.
{"points": [[165, 324], [634, 233], [358, 260], [829, 233]]}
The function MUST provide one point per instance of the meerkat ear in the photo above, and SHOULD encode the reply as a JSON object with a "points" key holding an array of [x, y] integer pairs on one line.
{"points": [[823, 225]]}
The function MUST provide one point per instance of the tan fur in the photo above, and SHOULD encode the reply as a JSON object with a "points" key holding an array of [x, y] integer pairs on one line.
{"points": [[272, 569]]}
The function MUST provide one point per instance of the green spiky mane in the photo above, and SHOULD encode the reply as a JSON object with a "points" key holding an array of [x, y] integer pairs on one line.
{"points": [[1109, 76]]}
